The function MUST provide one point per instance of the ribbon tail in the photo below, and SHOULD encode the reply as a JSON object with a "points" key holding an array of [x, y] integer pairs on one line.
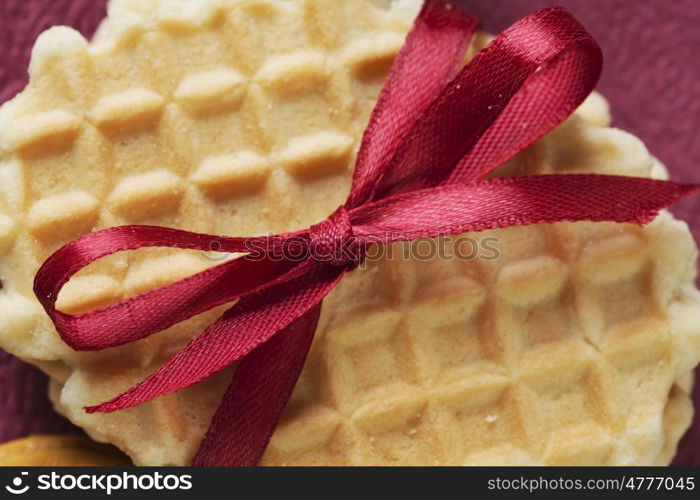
{"points": [[515, 201], [255, 399], [246, 326]]}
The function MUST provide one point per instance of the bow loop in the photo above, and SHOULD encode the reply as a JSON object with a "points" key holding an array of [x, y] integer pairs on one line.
{"points": [[431, 55], [524, 83]]}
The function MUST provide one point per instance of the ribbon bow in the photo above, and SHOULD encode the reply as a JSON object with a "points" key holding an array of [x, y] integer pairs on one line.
{"points": [[435, 133]]}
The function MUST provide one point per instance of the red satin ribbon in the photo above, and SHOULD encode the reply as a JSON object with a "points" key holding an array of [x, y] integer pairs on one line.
{"points": [[433, 136]]}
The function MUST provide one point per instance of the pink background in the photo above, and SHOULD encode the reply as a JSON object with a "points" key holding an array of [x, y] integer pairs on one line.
{"points": [[651, 77]]}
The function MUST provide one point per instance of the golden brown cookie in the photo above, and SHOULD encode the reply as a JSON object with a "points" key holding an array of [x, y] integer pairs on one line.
{"points": [[46, 450], [243, 117]]}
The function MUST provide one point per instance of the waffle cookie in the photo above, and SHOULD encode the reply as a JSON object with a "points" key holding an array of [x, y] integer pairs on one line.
{"points": [[568, 344], [51, 450]]}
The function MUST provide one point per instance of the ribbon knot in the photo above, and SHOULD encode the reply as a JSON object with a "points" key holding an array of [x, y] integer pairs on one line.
{"points": [[436, 133], [332, 241]]}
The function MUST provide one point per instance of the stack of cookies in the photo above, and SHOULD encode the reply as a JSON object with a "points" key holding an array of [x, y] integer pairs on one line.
{"points": [[569, 343]]}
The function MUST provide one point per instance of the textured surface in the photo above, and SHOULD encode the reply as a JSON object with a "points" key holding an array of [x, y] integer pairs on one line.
{"points": [[23, 407], [244, 173]]}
